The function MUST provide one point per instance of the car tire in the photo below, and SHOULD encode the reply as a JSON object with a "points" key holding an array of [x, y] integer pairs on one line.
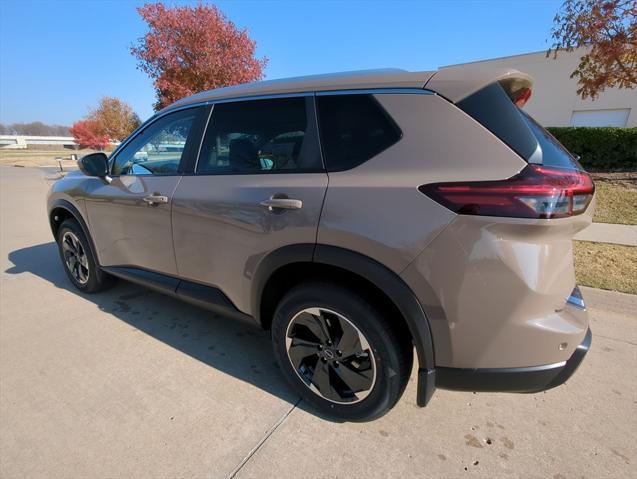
{"points": [[339, 353], [78, 259]]}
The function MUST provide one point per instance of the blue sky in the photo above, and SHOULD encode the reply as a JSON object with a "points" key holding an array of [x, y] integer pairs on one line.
{"points": [[57, 58]]}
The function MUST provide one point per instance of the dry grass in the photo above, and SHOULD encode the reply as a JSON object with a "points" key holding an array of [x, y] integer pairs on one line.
{"points": [[616, 202], [606, 266], [34, 157]]}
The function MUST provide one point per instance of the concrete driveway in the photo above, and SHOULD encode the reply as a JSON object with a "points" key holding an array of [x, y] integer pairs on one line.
{"points": [[129, 383]]}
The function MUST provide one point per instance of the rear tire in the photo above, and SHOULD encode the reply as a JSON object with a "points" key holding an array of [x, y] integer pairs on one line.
{"points": [[78, 259], [339, 353]]}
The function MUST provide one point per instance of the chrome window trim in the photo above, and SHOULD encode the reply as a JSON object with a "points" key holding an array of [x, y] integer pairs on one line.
{"points": [[375, 91], [318, 135], [203, 135], [157, 116], [272, 96]]}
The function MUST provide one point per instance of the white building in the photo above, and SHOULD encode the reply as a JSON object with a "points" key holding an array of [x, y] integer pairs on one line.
{"points": [[555, 101]]}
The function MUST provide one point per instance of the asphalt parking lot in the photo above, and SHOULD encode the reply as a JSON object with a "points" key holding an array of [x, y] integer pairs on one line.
{"points": [[129, 383]]}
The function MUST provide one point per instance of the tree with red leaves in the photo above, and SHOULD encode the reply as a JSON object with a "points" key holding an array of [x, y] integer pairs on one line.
{"points": [[111, 120], [191, 49], [89, 134], [608, 31]]}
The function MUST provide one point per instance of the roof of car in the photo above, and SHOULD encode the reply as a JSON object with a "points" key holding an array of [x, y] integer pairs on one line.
{"points": [[365, 79], [453, 83]]}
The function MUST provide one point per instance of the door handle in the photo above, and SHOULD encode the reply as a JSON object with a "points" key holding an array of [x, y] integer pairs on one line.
{"points": [[156, 199], [282, 203]]}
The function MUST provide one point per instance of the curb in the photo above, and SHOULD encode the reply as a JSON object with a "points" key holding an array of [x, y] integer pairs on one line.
{"points": [[622, 303]]}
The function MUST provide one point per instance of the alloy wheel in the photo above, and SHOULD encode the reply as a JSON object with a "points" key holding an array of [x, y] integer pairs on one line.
{"points": [[75, 257], [330, 355]]}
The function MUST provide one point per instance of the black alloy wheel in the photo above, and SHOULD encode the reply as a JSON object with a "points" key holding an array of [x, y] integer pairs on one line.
{"points": [[331, 355]]}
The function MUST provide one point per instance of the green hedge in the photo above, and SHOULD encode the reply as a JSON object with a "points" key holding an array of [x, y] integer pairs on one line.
{"points": [[600, 148]]}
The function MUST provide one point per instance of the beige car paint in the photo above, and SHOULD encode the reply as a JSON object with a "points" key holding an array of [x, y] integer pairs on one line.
{"points": [[457, 83], [376, 208], [494, 289], [359, 80], [222, 233], [452, 83], [128, 231]]}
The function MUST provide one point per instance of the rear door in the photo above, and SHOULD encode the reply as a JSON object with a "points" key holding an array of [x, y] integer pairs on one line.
{"points": [[258, 185], [130, 216]]}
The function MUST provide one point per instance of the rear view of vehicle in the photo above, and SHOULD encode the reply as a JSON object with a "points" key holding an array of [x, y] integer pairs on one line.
{"points": [[505, 311]]}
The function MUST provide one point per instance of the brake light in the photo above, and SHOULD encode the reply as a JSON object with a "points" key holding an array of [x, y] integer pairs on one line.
{"points": [[520, 97], [535, 192]]}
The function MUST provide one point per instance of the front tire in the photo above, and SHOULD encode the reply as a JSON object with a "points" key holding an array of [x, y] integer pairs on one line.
{"points": [[339, 353], [78, 259]]}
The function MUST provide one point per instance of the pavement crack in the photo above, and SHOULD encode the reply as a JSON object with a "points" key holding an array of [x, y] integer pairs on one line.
{"points": [[265, 437]]}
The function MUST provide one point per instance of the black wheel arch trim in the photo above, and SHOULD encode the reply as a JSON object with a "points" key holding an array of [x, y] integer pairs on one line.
{"points": [[382, 277], [286, 255], [77, 215]]}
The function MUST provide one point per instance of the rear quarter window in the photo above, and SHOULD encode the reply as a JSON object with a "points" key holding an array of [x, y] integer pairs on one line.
{"points": [[353, 129], [493, 109], [553, 152]]}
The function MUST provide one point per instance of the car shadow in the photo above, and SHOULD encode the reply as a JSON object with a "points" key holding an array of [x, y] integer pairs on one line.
{"points": [[238, 348]]}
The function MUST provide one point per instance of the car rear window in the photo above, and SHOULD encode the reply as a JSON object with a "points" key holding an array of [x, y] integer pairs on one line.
{"points": [[354, 128], [492, 107]]}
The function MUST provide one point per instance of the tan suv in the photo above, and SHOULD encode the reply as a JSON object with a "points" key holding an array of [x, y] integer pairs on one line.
{"points": [[356, 216]]}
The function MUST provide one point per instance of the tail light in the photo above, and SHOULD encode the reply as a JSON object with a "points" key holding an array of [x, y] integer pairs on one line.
{"points": [[535, 192], [521, 96]]}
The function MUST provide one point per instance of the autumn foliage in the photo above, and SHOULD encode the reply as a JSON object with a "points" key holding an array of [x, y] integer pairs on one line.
{"points": [[115, 118], [87, 134], [608, 30], [111, 120], [191, 49]]}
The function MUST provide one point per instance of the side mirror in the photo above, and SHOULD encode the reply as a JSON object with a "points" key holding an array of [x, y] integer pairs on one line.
{"points": [[95, 164]]}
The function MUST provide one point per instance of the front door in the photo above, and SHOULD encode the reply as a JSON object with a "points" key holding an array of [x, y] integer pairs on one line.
{"points": [[258, 185], [130, 216]]}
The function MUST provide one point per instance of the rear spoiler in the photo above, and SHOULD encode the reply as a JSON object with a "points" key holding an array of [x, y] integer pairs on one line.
{"points": [[457, 83]]}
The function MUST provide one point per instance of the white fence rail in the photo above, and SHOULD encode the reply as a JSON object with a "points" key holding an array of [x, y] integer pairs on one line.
{"points": [[21, 142]]}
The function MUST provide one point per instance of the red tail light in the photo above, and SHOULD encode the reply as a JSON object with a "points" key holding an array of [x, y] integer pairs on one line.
{"points": [[535, 192], [521, 96]]}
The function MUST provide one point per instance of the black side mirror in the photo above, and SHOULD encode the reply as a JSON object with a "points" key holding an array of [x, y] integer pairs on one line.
{"points": [[95, 164]]}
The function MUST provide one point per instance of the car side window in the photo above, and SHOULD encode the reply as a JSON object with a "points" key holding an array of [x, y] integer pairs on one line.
{"points": [[354, 128], [158, 149], [261, 137]]}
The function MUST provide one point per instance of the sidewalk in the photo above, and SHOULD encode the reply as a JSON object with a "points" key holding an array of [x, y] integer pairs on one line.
{"points": [[609, 233], [621, 303]]}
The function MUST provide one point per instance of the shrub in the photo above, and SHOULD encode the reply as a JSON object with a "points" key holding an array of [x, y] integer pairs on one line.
{"points": [[600, 148]]}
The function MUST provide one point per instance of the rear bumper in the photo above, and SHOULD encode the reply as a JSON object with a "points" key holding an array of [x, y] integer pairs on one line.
{"points": [[518, 380]]}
